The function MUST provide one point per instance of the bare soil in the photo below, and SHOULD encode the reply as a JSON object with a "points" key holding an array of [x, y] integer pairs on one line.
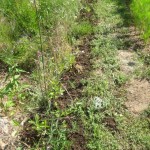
{"points": [[7, 133], [127, 62], [138, 96]]}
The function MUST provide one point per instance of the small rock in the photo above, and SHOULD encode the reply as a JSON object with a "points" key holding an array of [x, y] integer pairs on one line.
{"points": [[98, 103]]}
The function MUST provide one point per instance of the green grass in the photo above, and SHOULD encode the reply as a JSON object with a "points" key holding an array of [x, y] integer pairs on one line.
{"points": [[103, 94], [141, 13], [82, 29], [34, 37], [23, 23]]}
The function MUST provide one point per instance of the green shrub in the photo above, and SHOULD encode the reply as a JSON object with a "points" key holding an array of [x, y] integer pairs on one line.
{"points": [[23, 17]]}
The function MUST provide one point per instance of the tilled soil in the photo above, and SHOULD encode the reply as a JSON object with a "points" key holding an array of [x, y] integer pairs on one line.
{"points": [[78, 72]]}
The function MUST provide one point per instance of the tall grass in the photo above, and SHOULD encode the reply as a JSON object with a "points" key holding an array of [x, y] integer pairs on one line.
{"points": [[35, 33], [35, 36], [141, 13], [38, 36], [20, 30]]}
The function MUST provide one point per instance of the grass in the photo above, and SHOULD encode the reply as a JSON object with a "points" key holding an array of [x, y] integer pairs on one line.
{"points": [[140, 10], [98, 118], [111, 126], [82, 29], [20, 25], [38, 43]]}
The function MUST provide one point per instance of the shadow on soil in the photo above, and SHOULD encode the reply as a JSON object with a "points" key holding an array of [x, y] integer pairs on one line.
{"points": [[125, 12]]}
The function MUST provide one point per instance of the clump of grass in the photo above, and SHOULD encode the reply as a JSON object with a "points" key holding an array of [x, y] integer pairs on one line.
{"points": [[82, 29], [21, 16]]}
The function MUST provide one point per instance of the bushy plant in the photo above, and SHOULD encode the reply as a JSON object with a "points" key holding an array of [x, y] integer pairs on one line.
{"points": [[34, 35]]}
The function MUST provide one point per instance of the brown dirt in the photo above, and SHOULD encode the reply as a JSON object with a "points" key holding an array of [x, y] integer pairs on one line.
{"points": [[78, 72], [126, 60], [110, 123], [78, 140], [7, 134], [138, 96]]}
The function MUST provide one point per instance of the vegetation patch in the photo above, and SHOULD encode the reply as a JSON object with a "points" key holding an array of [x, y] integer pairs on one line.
{"points": [[140, 10], [66, 72]]}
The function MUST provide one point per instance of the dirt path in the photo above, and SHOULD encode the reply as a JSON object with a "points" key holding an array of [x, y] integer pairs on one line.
{"points": [[138, 95], [7, 133]]}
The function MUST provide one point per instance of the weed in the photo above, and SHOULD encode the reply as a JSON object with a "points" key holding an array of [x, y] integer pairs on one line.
{"points": [[14, 92], [120, 79]]}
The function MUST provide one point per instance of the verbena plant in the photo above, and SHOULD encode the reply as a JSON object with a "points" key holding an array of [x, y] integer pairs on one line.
{"points": [[141, 13]]}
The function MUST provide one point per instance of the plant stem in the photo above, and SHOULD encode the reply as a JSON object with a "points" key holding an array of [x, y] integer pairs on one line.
{"points": [[41, 45]]}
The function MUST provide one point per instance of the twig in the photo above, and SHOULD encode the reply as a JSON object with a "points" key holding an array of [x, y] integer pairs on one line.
{"points": [[67, 92]]}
